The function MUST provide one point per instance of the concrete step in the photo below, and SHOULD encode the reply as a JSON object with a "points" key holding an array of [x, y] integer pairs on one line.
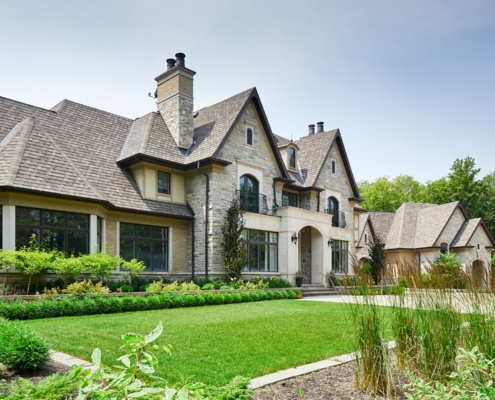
{"points": [[315, 290]]}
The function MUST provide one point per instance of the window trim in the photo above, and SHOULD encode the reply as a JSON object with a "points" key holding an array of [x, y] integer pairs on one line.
{"points": [[338, 247], [289, 195], [271, 245]]}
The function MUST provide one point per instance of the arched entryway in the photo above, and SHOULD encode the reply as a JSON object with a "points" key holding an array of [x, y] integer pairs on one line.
{"points": [[311, 255]]}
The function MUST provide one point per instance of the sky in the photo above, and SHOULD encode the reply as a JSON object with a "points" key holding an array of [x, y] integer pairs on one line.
{"points": [[410, 84]]}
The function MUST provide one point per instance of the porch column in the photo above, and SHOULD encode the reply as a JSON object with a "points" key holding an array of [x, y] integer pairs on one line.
{"points": [[8, 228]]}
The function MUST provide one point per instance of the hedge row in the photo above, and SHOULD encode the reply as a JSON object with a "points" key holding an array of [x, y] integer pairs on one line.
{"points": [[64, 307]]}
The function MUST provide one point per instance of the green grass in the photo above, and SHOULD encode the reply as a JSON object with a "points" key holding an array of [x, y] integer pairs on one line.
{"points": [[214, 344]]}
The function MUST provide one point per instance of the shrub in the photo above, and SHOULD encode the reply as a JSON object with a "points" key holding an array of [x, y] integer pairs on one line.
{"points": [[100, 264], [21, 349], [208, 286], [225, 287], [86, 286], [126, 289], [54, 387], [188, 286], [217, 298], [68, 268], [133, 268], [236, 298]]}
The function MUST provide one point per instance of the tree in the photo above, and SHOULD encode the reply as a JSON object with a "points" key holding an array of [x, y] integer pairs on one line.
{"points": [[233, 243], [7, 262], [385, 194], [30, 260], [67, 267], [133, 267], [100, 264], [376, 251]]}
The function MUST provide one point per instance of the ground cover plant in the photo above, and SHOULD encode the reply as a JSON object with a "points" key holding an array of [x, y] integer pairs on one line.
{"points": [[215, 344]]}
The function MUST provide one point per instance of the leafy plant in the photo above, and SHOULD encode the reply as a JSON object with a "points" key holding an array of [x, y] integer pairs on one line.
{"points": [[233, 243], [133, 267], [7, 262], [100, 264], [86, 286], [67, 267], [21, 349]]}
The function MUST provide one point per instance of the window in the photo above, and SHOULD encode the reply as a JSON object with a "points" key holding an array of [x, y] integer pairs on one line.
{"points": [[444, 248], [289, 199], [338, 219], [333, 166], [261, 250], [58, 230], [163, 182], [292, 157], [249, 195], [145, 243], [339, 257], [249, 136]]}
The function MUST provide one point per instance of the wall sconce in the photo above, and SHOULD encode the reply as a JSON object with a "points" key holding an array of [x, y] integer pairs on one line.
{"points": [[330, 242], [294, 238]]}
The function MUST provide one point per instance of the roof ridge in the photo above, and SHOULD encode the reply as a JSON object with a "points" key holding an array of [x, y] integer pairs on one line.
{"points": [[22, 130], [227, 99], [26, 104], [146, 136], [69, 161], [68, 102]]}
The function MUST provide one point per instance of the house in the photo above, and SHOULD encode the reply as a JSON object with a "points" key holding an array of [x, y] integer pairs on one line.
{"points": [[417, 232], [157, 187]]}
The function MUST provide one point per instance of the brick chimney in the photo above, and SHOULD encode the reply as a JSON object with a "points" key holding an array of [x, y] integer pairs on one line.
{"points": [[174, 98]]}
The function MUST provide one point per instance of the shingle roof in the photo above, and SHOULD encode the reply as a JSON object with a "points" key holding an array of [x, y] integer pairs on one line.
{"points": [[466, 232], [431, 221], [381, 223], [313, 152], [70, 151]]}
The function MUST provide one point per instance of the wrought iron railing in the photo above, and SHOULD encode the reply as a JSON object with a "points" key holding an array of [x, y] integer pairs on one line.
{"points": [[252, 202], [338, 219]]}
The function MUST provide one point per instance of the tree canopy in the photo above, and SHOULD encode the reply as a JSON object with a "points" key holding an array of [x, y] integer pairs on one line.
{"points": [[476, 195]]}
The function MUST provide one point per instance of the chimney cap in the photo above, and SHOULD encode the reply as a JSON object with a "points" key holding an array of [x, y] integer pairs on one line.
{"points": [[170, 63], [180, 59], [311, 130], [320, 126]]}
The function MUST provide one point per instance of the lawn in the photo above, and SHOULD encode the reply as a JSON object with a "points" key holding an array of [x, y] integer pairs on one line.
{"points": [[215, 343]]}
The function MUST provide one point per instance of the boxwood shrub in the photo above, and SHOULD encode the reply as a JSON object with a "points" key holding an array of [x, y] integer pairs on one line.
{"points": [[102, 304]]}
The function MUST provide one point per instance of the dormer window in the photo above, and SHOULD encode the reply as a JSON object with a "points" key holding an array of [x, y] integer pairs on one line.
{"points": [[292, 157], [163, 182], [249, 136]]}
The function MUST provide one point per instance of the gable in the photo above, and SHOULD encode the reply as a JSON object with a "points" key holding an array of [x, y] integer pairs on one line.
{"points": [[452, 227]]}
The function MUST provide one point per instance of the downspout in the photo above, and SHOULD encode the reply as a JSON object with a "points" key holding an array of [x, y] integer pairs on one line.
{"points": [[207, 201], [318, 203], [193, 250]]}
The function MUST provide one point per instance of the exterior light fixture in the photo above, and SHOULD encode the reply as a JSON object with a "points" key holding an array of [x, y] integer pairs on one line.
{"points": [[330, 242], [294, 238]]}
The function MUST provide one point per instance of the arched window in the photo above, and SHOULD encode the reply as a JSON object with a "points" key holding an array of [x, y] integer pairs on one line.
{"points": [[249, 136], [249, 193], [292, 157], [444, 248], [333, 167], [333, 208]]}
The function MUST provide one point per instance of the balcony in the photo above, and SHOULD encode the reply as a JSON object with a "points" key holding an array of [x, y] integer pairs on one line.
{"points": [[252, 202], [338, 219]]}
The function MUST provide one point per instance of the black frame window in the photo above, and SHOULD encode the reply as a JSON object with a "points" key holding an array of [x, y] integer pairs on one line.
{"points": [[292, 157], [163, 182], [145, 243], [249, 194], [249, 136], [340, 257], [289, 199], [63, 231], [261, 250], [444, 248], [99, 236]]}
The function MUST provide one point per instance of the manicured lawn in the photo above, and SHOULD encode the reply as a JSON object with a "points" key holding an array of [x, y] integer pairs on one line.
{"points": [[213, 344]]}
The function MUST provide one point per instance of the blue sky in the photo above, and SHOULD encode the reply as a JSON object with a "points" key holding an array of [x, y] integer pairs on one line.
{"points": [[410, 84]]}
